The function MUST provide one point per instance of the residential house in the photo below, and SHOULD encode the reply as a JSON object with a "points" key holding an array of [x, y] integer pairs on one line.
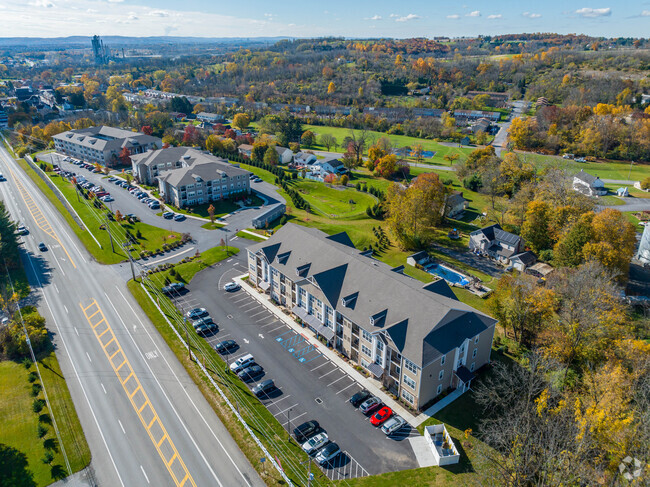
{"points": [[418, 340], [103, 144], [330, 166], [304, 158], [523, 261], [496, 243], [465, 141], [203, 182], [208, 117], [4, 119], [481, 125], [587, 184], [177, 116], [245, 150], [623, 191], [285, 156], [419, 258], [455, 204]]}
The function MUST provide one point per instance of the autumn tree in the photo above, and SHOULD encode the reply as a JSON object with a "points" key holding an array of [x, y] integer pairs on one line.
{"points": [[387, 166], [417, 151], [331, 88], [147, 130], [308, 138], [211, 210], [125, 156], [241, 120], [214, 144], [271, 156], [328, 141], [535, 229], [614, 241], [568, 251]]}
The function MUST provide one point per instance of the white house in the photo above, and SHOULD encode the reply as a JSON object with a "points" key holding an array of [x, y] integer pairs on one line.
{"points": [[587, 184], [285, 156], [455, 204], [304, 158], [496, 243], [332, 165]]}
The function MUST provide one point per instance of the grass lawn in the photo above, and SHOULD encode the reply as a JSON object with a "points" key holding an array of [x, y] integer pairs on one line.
{"points": [[634, 220], [19, 425], [248, 236], [398, 141], [221, 208], [213, 226], [18, 279], [333, 201]]}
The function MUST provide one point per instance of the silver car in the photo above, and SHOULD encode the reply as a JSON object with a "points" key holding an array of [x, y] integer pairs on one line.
{"points": [[392, 425], [315, 443]]}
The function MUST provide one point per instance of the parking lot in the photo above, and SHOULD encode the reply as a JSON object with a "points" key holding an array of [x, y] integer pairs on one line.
{"points": [[310, 386]]}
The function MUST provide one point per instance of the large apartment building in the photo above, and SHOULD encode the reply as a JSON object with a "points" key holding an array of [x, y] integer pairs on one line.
{"points": [[418, 340], [103, 144]]}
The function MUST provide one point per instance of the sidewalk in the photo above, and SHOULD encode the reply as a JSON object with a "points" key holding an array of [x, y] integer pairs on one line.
{"points": [[372, 385]]}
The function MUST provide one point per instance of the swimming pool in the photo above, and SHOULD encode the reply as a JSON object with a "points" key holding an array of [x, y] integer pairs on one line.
{"points": [[447, 274]]}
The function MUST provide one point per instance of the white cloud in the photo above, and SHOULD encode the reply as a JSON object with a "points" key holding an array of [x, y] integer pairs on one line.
{"points": [[375, 17], [159, 13], [475, 13], [392, 16], [592, 13], [645, 13], [132, 16], [408, 17], [42, 3], [114, 1], [453, 16], [531, 15], [494, 16]]}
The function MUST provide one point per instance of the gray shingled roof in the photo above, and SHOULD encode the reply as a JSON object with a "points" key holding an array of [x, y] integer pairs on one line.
{"points": [[526, 258], [173, 154], [423, 322], [586, 177], [107, 138], [495, 232], [206, 170]]}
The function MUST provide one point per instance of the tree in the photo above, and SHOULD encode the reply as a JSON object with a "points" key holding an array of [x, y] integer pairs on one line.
{"points": [[356, 142], [180, 104], [614, 241], [387, 166], [344, 180], [8, 240], [308, 138], [535, 229], [191, 136], [417, 151], [211, 210], [451, 158], [147, 130], [328, 141], [568, 251], [118, 216], [331, 88], [271, 156], [125, 156], [214, 144], [241, 120]]}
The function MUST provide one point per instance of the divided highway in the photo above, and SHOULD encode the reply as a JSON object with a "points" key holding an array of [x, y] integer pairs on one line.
{"points": [[145, 420]]}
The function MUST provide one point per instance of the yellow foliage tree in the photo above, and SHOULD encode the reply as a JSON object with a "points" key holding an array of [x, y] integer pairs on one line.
{"points": [[331, 88]]}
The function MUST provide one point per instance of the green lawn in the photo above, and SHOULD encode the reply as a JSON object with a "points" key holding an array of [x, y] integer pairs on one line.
{"points": [[19, 426], [248, 236], [213, 226], [397, 140], [333, 201], [221, 208]]}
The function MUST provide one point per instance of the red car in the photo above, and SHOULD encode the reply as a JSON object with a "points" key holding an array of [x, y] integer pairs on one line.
{"points": [[380, 416]]}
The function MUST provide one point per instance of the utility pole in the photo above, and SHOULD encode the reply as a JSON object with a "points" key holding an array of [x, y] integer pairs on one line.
{"points": [[289, 422], [187, 338], [126, 246], [108, 229]]}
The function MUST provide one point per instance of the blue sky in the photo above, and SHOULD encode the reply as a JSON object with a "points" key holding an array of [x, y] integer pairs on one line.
{"points": [[305, 18]]}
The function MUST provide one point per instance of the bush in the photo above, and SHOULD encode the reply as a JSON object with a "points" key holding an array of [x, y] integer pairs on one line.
{"points": [[36, 389], [32, 377], [38, 405], [41, 431], [645, 184]]}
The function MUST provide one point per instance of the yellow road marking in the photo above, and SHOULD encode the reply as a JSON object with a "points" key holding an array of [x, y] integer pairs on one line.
{"points": [[38, 216], [139, 408]]}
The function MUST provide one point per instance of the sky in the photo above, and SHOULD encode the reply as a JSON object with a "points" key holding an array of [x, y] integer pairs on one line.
{"points": [[308, 18]]}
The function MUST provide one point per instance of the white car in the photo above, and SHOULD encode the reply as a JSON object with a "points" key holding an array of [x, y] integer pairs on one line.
{"points": [[231, 286], [107, 199], [393, 424], [315, 443]]}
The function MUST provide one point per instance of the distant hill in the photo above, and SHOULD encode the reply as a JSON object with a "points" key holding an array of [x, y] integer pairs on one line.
{"points": [[122, 41]]}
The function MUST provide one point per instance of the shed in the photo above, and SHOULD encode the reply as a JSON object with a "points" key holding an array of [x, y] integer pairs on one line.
{"points": [[444, 450], [420, 258], [623, 191], [540, 270]]}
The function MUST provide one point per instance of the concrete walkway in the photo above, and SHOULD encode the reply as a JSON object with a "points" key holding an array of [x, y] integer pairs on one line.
{"points": [[437, 407], [372, 385]]}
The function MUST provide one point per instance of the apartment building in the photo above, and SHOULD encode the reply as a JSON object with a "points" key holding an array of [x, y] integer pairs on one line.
{"points": [[148, 166], [103, 144], [418, 340]]}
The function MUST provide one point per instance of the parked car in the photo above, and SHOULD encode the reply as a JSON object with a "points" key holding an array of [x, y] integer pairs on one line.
{"points": [[380, 416], [231, 286], [225, 345], [107, 198], [207, 327], [306, 430], [174, 287], [42, 247], [327, 454], [392, 425], [359, 397], [154, 205], [133, 216], [2, 178], [370, 405], [168, 215], [22, 230], [315, 443], [202, 321], [242, 362], [263, 388], [179, 217], [250, 373], [196, 313]]}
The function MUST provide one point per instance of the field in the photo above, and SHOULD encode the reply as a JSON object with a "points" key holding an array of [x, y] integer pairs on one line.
{"points": [[21, 450]]}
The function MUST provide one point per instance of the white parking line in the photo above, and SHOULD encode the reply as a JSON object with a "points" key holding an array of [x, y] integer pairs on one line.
{"points": [[334, 382], [299, 416], [243, 298], [286, 409], [258, 313], [275, 329], [269, 324], [275, 402], [328, 373], [235, 357], [319, 366], [346, 388]]}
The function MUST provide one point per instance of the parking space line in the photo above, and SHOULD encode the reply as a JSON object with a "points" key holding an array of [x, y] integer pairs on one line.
{"points": [[319, 366], [243, 298], [299, 416], [275, 329], [273, 403], [268, 324], [258, 313], [334, 382], [353, 383], [328, 373], [239, 354], [286, 409]]}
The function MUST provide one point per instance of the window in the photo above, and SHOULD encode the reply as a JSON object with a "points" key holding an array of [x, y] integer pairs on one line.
{"points": [[408, 365], [441, 375], [439, 390], [366, 350], [409, 382], [380, 345], [252, 267], [474, 353], [472, 367], [408, 397], [442, 360], [366, 335]]}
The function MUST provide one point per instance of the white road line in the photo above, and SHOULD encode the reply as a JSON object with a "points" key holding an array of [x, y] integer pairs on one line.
{"points": [[346, 388], [66, 309], [258, 313], [328, 373], [144, 473], [319, 366], [245, 298], [286, 409], [275, 329], [121, 426], [334, 382], [89, 359], [75, 246], [299, 416], [76, 331], [56, 288], [57, 262], [104, 389]]}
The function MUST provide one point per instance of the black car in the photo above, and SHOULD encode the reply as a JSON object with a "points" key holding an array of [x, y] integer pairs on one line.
{"points": [[250, 373], [225, 346], [174, 287], [264, 387], [206, 328], [306, 430], [359, 397], [42, 247]]}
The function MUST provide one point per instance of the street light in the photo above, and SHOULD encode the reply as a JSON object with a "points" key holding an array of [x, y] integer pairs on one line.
{"points": [[289, 422]]}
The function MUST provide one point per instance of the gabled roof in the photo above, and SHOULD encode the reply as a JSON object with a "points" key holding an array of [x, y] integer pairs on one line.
{"points": [[494, 233], [334, 271], [586, 177], [201, 171], [527, 258]]}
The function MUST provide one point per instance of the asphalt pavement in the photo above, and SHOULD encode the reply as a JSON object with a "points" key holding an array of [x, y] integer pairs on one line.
{"points": [[145, 420]]}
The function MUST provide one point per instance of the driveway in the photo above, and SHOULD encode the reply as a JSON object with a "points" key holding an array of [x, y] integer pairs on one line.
{"points": [[311, 387], [630, 204], [483, 264]]}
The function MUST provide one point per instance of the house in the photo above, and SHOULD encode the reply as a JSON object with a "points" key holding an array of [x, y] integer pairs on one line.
{"points": [[285, 156], [245, 150], [148, 166], [208, 117], [587, 184], [103, 144], [304, 158], [470, 115], [540, 270], [208, 179], [465, 141], [496, 243], [455, 204], [481, 125], [330, 165], [4, 120], [524, 260], [273, 213], [419, 258], [177, 116], [623, 191], [417, 340]]}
